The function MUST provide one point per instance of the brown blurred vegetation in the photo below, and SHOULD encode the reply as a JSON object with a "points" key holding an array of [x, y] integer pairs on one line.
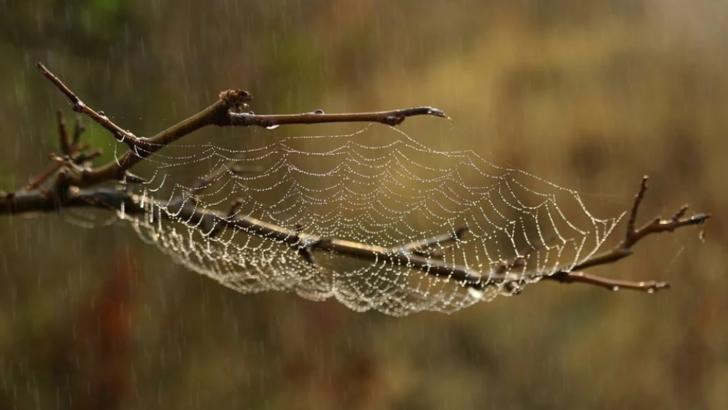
{"points": [[588, 94]]}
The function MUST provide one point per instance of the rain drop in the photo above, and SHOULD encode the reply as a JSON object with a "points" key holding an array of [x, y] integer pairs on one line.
{"points": [[475, 293], [272, 127]]}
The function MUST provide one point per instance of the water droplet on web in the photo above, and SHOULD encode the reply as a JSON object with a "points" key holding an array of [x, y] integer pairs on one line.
{"points": [[338, 187], [475, 293], [272, 127]]}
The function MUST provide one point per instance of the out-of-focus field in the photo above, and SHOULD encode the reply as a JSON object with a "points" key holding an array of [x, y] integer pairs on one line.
{"points": [[587, 94]]}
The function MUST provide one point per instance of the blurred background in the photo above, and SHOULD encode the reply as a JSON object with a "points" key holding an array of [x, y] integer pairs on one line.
{"points": [[587, 94]]}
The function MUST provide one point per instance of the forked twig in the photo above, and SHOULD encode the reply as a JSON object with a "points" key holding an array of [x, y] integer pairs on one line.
{"points": [[222, 113], [624, 248]]}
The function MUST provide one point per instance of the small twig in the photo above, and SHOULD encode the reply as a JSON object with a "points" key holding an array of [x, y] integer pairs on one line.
{"points": [[392, 117], [100, 118], [607, 283], [68, 148], [639, 197], [59, 162], [624, 248], [78, 130], [44, 175], [65, 143]]}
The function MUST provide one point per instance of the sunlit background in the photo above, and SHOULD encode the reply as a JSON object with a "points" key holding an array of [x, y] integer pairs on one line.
{"points": [[587, 94]]}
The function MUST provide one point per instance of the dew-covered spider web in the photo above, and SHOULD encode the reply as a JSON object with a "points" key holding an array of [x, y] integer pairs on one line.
{"points": [[421, 215]]}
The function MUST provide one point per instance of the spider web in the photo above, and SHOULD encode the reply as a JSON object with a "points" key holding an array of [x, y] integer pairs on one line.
{"points": [[375, 186]]}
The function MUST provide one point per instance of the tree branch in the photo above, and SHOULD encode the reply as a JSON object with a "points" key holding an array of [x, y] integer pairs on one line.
{"points": [[393, 117], [624, 248], [79, 106], [67, 185], [223, 112], [211, 221], [208, 221]]}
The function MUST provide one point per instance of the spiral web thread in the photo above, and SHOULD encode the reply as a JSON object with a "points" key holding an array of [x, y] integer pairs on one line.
{"points": [[374, 186]]}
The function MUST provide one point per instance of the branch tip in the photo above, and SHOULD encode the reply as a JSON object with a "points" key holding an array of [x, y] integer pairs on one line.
{"points": [[699, 219], [639, 197], [680, 213], [73, 98], [608, 283]]}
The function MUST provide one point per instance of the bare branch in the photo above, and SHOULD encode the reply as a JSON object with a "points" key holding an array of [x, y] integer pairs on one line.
{"points": [[221, 113], [78, 129], [72, 173], [393, 117], [624, 248], [215, 222], [639, 197], [607, 283], [210, 220], [81, 107], [65, 142]]}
